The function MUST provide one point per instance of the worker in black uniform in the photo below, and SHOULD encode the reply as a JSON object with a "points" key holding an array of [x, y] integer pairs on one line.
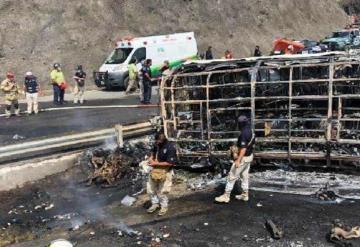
{"points": [[257, 52], [162, 159], [241, 165]]}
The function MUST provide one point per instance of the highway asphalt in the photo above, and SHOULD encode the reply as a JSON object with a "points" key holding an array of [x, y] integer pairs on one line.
{"points": [[70, 118]]}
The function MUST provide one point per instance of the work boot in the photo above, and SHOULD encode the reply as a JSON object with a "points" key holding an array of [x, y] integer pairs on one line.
{"points": [[243, 197], [225, 198], [7, 114], [163, 211], [153, 208], [17, 112]]}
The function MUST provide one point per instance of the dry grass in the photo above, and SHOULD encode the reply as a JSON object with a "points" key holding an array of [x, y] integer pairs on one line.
{"points": [[37, 33]]}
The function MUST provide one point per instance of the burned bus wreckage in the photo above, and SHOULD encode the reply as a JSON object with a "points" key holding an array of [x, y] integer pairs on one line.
{"points": [[302, 107]]}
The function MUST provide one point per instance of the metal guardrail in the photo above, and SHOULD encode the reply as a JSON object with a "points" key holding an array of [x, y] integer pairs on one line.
{"points": [[72, 142]]}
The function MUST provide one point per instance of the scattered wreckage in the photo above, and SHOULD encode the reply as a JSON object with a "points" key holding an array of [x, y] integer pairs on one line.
{"points": [[340, 234], [302, 107], [108, 167]]}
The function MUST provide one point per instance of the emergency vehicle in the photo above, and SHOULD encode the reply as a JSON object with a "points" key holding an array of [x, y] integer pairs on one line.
{"points": [[175, 48]]}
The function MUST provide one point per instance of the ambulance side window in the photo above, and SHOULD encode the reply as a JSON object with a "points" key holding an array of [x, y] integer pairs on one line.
{"points": [[140, 54]]}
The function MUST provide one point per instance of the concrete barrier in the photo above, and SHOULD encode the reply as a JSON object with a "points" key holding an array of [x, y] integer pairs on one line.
{"points": [[30, 169], [18, 174]]}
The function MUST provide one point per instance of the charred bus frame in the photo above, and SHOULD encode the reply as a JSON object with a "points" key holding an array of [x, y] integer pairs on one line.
{"points": [[301, 107]]}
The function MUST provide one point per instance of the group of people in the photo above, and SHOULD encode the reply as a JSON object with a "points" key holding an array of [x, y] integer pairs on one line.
{"points": [[31, 89], [163, 159], [209, 55], [228, 54], [140, 75], [59, 84], [12, 93]]}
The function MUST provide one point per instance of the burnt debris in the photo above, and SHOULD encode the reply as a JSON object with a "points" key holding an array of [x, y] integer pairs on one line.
{"points": [[301, 107], [109, 167]]}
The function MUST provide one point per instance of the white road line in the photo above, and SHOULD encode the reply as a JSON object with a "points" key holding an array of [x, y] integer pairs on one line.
{"points": [[90, 107]]}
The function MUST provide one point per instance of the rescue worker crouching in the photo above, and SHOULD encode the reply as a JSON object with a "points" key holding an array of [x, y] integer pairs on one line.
{"points": [[159, 184], [241, 165], [12, 91]]}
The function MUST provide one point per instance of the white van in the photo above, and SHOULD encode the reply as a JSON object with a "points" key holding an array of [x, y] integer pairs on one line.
{"points": [[176, 48]]}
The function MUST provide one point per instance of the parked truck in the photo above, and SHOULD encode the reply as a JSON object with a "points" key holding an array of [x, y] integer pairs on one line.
{"points": [[343, 40], [175, 48]]}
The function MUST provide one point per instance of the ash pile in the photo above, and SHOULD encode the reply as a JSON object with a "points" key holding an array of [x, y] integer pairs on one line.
{"points": [[107, 167]]}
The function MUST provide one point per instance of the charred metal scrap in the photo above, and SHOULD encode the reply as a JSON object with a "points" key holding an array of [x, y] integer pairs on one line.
{"points": [[108, 167], [301, 106]]}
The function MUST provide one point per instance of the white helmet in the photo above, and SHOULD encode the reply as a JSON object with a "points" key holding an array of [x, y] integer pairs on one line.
{"points": [[29, 73]]}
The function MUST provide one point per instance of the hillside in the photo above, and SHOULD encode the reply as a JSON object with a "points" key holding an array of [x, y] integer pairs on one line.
{"points": [[36, 33], [351, 6]]}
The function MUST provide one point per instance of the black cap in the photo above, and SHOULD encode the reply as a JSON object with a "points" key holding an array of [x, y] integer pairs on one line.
{"points": [[243, 119]]}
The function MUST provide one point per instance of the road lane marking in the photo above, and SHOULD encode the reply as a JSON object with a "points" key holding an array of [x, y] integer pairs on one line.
{"points": [[90, 107]]}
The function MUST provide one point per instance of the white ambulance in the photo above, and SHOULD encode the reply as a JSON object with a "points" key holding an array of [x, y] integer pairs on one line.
{"points": [[175, 48]]}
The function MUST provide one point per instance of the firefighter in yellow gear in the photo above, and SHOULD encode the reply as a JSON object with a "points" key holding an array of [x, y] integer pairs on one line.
{"points": [[11, 91]]}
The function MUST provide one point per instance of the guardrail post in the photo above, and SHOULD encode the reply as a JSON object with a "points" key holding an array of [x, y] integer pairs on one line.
{"points": [[119, 135]]}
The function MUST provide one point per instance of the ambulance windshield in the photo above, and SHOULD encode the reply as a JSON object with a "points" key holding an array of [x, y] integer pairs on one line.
{"points": [[118, 56]]}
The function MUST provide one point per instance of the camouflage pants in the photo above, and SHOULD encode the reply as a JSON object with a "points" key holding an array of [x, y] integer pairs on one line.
{"points": [[8, 104]]}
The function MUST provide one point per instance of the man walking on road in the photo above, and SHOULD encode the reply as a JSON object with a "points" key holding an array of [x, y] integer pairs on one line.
{"points": [[79, 89], [133, 76], [146, 78], [31, 88], [162, 160], [241, 165], [59, 84], [12, 91]]}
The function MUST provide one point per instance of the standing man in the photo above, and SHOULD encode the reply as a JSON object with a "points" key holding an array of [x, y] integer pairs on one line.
{"points": [[12, 91], [141, 79], [162, 160], [31, 88], [146, 78], [133, 76], [208, 54], [241, 165], [165, 68], [58, 82], [228, 55], [257, 52], [79, 88]]}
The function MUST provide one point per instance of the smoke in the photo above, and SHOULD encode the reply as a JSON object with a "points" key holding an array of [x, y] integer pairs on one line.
{"points": [[91, 207], [110, 143]]}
